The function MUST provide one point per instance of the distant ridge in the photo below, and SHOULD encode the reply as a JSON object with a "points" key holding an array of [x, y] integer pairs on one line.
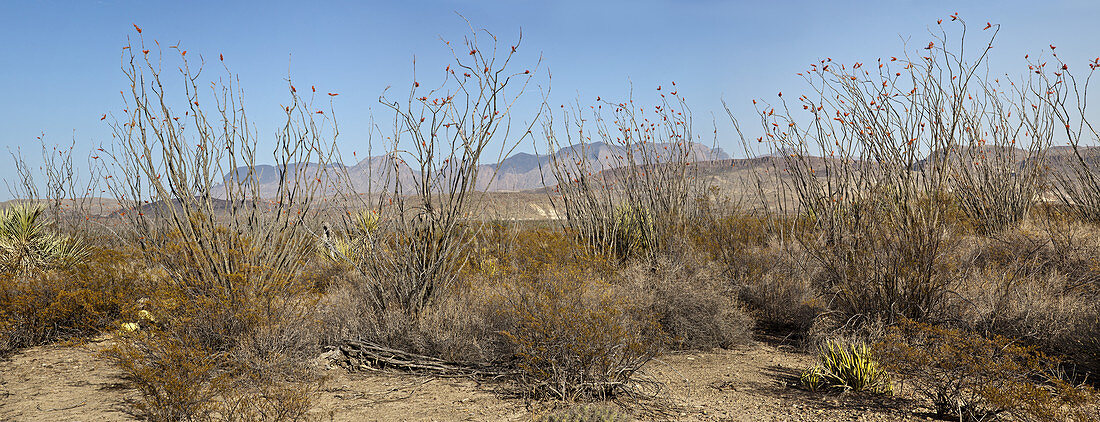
{"points": [[518, 172]]}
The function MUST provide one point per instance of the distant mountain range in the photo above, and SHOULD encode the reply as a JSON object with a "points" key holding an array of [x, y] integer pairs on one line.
{"points": [[519, 172]]}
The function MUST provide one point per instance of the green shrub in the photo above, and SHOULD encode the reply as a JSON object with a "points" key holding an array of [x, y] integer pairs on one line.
{"points": [[635, 232], [28, 245], [848, 366], [352, 247]]}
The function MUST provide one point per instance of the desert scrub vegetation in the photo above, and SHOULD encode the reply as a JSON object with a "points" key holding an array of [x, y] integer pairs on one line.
{"points": [[891, 166], [585, 413], [635, 199], [439, 135], [899, 201], [229, 295], [574, 335], [82, 299], [54, 285], [973, 377]]}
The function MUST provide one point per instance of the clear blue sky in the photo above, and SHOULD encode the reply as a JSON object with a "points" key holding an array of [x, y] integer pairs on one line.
{"points": [[59, 60]]}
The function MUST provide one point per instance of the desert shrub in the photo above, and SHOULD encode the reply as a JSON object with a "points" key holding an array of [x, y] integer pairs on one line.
{"points": [[690, 300], [227, 349], [733, 239], [848, 366], [629, 193], [177, 382], [586, 413], [879, 166], [464, 321], [516, 251], [574, 335], [460, 326], [180, 381], [975, 378], [228, 296], [1034, 283], [774, 282], [28, 245], [80, 300], [424, 229]]}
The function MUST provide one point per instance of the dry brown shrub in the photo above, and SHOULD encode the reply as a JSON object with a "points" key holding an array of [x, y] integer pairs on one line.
{"points": [[575, 336], [692, 301], [235, 349], [180, 381], [81, 300], [732, 239], [459, 326], [1036, 283], [977, 378], [777, 290]]}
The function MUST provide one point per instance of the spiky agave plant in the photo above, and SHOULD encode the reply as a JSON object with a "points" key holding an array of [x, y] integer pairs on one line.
{"points": [[847, 366], [27, 244], [353, 248], [635, 231]]}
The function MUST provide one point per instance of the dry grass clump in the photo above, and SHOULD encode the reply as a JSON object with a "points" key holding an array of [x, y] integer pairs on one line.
{"points": [[586, 413]]}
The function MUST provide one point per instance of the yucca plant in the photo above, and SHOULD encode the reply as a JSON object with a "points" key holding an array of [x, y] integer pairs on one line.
{"points": [[635, 231], [848, 366], [28, 245], [353, 248]]}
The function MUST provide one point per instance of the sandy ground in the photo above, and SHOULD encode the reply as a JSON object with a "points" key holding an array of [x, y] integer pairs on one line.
{"points": [[750, 383]]}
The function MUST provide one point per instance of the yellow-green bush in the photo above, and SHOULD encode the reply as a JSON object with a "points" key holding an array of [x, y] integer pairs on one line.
{"points": [[848, 366], [635, 232], [28, 245], [353, 247], [224, 347]]}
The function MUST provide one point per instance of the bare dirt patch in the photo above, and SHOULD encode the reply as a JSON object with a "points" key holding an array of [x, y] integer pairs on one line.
{"points": [[62, 383], [750, 383]]}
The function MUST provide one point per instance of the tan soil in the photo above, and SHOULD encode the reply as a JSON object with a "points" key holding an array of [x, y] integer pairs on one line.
{"points": [[750, 383], [61, 383]]}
